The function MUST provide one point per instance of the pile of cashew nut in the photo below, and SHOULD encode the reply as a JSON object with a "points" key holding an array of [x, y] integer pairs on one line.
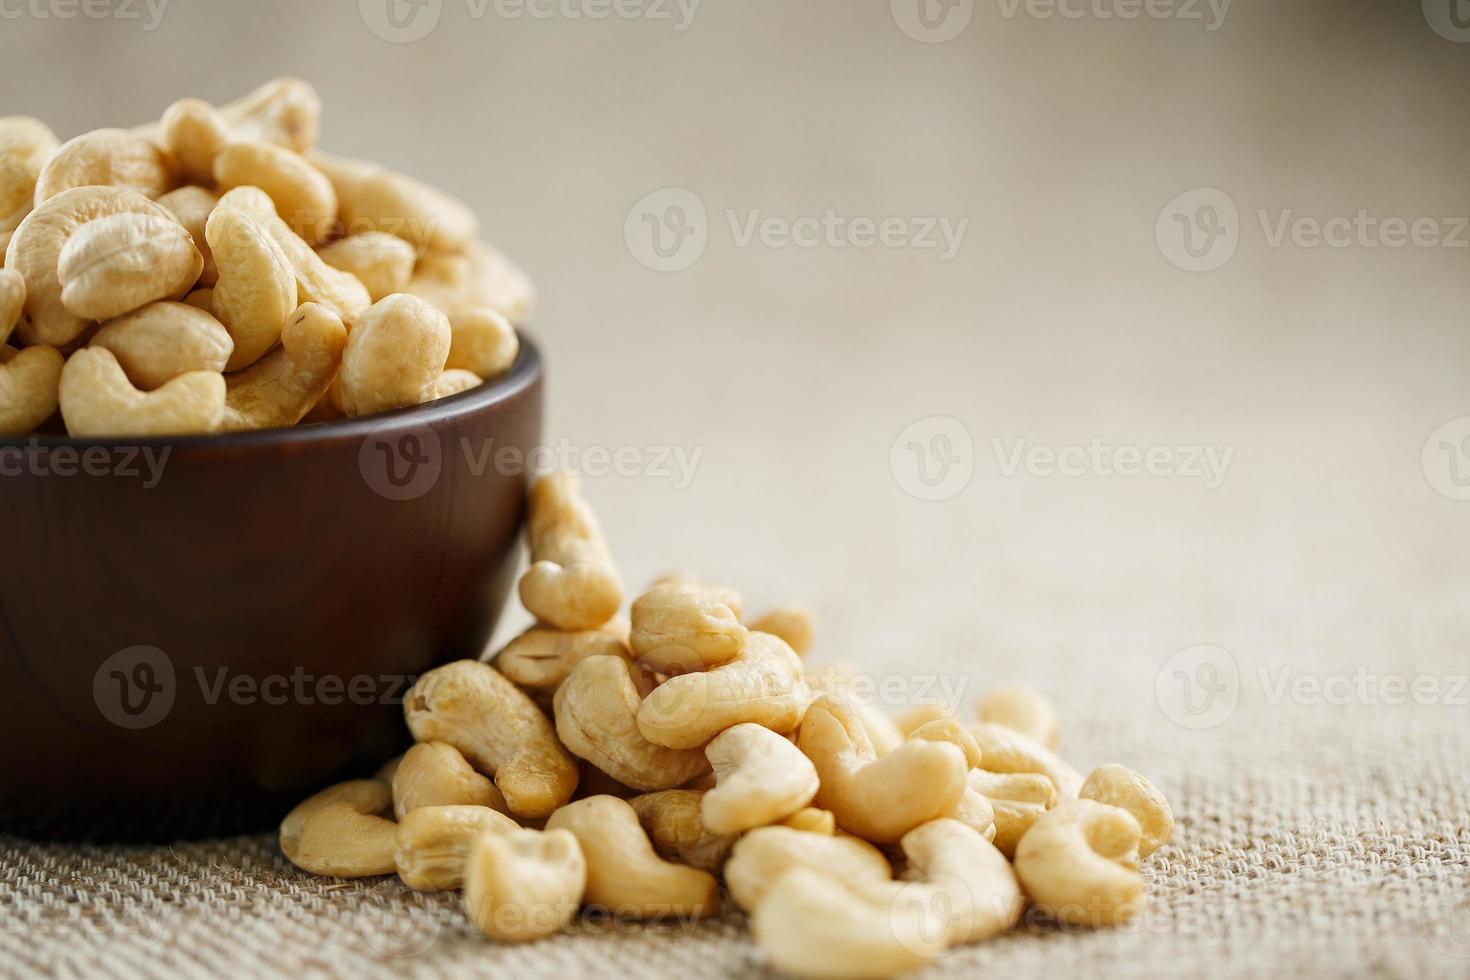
{"points": [[662, 764], [214, 271]]}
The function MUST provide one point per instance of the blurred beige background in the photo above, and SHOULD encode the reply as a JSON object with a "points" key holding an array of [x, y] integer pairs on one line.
{"points": [[1332, 544]]}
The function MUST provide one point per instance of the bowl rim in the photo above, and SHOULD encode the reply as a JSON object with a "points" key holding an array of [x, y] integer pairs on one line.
{"points": [[525, 371]]}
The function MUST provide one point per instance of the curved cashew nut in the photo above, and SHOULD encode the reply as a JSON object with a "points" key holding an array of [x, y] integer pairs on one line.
{"points": [[256, 289], [951, 731], [303, 198], [763, 684], [25, 146], [383, 263], [29, 384], [840, 678], [1016, 801], [572, 583], [285, 111], [373, 198], [480, 276], [596, 712], [794, 624], [539, 659], [1079, 864], [394, 357], [340, 831], [1122, 787], [280, 388], [161, 341], [684, 626], [97, 399], [498, 729], [761, 778], [525, 884], [482, 341], [191, 207], [671, 819], [980, 896], [762, 856], [432, 843], [624, 874], [105, 158], [1006, 750], [195, 133], [1023, 710], [435, 774], [116, 264], [878, 799]]}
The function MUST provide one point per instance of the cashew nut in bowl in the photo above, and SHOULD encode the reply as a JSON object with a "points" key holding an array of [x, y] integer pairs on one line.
{"points": [[454, 381], [761, 856], [1122, 787], [432, 843], [1022, 710], [671, 819], [256, 289], [29, 384], [499, 729], [596, 712], [682, 626], [195, 133], [394, 356], [436, 774], [761, 778], [303, 198], [480, 276], [981, 897], [624, 874], [120, 262], [280, 388], [161, 341], [383, 263], [1006, 750], [572, 583], [97, 399], [372, 198], [1016, 800], [1079, 864], [794, 624], [524, 885], [105, 158], [763, 684], [285, 111], [25, 146], [481, 341], [191, 207], [341, 831], [539, 659]]}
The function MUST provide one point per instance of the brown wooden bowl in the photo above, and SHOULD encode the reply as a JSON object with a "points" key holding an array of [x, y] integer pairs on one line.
{"points": [[190, 648]]}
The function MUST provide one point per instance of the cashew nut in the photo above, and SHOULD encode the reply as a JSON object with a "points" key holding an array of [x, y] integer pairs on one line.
{"points": [[341, 831], [539, 659], [763, 684], [812, 820], [524, 884], [1006, 750], [1122, 787], [191, 207], [97, 399], [679, 627], [976, 890], [435, 774], [29, 382], [394, 356], [917, 716], [760, 857], [672, 821], [572, 583], [195, 133], [454, 381], [1016, 801], [761, 778], [280, 388], [597, 719], [161, 341], [286, 111], [951, 731], [383, 263], [1023, 710], [256, 289], [373, 198], [433, 843], [482, 341], [121, 262], [302, 196], [840, 678], [794, 624], [480, 276], [1079, 864], [25, 146], [624, 874], [105, 158], [499, 729]]}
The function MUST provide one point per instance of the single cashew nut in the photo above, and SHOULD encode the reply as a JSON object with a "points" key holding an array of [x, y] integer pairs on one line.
{"points": [[572, 583], [846, 682], [481, 341], [124, 261], [191, 207], [980, 896], [1122, 787], [679, 627], [97, 399], [30, 380], [760, 857], [435, 774], [762, 685], [1079, 864], [480, 276], [105, 158], [341, 831], [812, 820], [499, 729], [671, 819], [972, 809], [794, 624], [596, 712], [539, 659], [280, 388], [25, 146], [1016, 801], [1006, 750], [878, 799], [454, 381], [394, 356], [761, 778], [524, 885], [286, 111], [432, 843], [195, 133], [951, 731], [302, 196], [383, 263], [161, 341], [256, 289], [624, 874], [1023, 710], [375, 199]]}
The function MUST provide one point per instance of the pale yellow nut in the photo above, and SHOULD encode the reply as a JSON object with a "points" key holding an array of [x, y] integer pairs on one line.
{"points": [[845, 681], [454, 382], [625, 876], [35, 252], [763, 684], [256, 290], [161, 341], [794, 624], [195, 133], [1079, 864], [671, 819], [1004, 749], [286, 111], [105, 158], [919, 715], [383, 263], [719, 593], [341, 831], [1024, 711], [432, 843], [280, 388], [951, 731], [121, 262], [596, 711], [761, 778], [572, 583], [394, 356], [1122, 787], [480, 276], [761, 856], [812, 820], [97, 399], [436, 774], [25, 146], [372, 198], [964, 878], [191, 207], [524, 885], [539, 659], [499, 729], [678, 627], [878, 799], [481, 341], [1016, 800], [12, 301], [30, 380], [975, 811], [303, 198]]}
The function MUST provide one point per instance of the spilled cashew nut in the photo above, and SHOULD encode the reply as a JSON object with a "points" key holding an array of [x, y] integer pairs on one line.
{"points": [[1122, 787], [436, 774], [256, 289], [679, 627], [105, 158], [524, 884], [29, 383], [1022, 710], [572, 583], [25, 146], [280, 388], [383, 263], [341, 831], [303, 198], [761, 778], [1007, 750], [121, 262], [763, 855], [1016, 800], [539, 659], [482, 341], [161, 341], [794, 624], [672, 821], [974, 886], [432, 843], [1079, 864], [97, 399], [394, 356]]}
